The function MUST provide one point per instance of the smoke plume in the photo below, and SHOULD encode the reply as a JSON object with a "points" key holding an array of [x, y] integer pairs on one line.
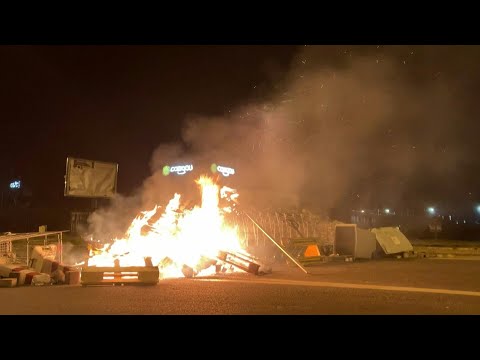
{"points": [[347, 128]]}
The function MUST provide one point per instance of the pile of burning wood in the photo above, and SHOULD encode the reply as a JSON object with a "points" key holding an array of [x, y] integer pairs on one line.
{"points": [[224, 262], [181, 240]]}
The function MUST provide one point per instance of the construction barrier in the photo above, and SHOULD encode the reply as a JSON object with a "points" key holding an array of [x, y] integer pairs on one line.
{"points": [[305, 250]]}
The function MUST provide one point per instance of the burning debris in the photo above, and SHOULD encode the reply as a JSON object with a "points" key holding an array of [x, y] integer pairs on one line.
{"points": [[239, 261], [179, 242]]}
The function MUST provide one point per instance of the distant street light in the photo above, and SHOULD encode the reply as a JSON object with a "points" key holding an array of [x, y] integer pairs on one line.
{"points": [[431, 210], [387, 211]]}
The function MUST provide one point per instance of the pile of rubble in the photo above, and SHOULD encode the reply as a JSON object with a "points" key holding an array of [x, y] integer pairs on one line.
{"points": [[42, 269]]}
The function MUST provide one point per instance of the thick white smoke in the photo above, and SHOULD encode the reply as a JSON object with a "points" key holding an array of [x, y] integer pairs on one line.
{"points": [[335, 132]]}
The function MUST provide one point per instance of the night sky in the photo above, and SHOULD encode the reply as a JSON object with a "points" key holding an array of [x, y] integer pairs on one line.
{"points": [[116, 103], [119, 103]]}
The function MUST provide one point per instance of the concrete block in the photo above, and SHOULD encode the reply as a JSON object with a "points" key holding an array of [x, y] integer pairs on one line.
{"points": [[72, 277], [29, 277], [8, 282], [6, 269], [41, 279], [47, 265]]}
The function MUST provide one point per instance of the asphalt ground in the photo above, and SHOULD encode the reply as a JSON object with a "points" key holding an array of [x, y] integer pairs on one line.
{"points": [[388, 286]]}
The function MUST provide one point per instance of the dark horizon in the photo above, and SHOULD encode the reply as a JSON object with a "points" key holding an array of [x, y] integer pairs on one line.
{"points": [[120, 103]]}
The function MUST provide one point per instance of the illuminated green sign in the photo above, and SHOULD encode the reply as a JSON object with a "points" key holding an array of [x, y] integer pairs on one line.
{"points": [[177, 169], [225, 171]]}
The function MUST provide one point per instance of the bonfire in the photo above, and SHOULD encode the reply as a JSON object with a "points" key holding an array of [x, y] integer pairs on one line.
{"points": [[181, 242]]}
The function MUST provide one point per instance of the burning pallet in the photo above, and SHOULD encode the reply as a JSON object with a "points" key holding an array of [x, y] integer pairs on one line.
{"points": [[240, 261], [235, 260], [121, 275]]}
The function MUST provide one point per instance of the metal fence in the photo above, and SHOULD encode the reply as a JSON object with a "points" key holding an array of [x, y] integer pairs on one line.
{"points": [[20, 245], [283, 224]]}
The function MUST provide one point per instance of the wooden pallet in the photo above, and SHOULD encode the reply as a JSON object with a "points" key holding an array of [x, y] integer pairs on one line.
{"points": [[131, 275], [240, 261]]}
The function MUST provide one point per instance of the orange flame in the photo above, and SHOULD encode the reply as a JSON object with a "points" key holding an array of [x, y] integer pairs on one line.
{"points": [[177, 238]]}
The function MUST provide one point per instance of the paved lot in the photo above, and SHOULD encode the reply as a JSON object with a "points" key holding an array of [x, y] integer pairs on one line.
{"points": [[406, 286]]}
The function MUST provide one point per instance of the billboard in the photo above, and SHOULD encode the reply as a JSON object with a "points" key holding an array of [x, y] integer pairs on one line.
{"points": [[89, 178]]}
